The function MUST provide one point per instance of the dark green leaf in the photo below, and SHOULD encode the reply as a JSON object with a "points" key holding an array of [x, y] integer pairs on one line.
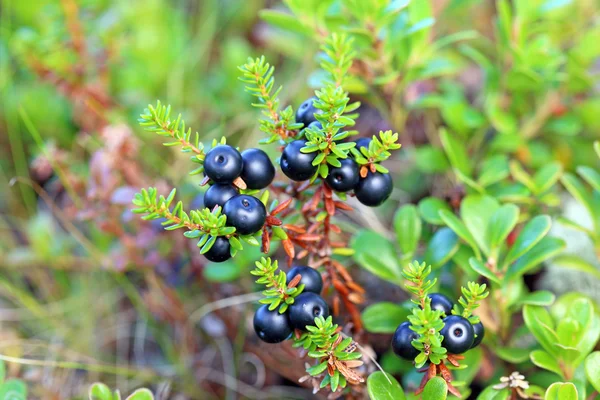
{"points": [[483, 270], [456, 153], [546, 248], [476, 212], [531, 234], [501, 224], [384, 387], [429, 209], [442, 247], [384, 317], [460, 229], [376, 254], [407, 225]]}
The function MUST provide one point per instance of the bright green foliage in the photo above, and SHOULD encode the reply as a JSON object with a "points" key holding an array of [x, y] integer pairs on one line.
{"points": [[378, 150], [99, 391], [471, 296], [277, 294], [324, 343]]}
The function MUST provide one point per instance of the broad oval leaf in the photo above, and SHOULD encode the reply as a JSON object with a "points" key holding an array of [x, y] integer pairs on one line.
{"points": [[436, 389], [574, 262], [376, 254], [384, 317], [546, 248], [540, 324], [545, 361], [407, 225], [141, 394], [501, 224], [483, 270], [460, 229], [561, 391], [592, 369], [531, 234], [457, 153], [99, 391], [442, 247], [539, 298], [546, 177], [476, 212], [591, 176], [578, 190], [384, 387], [430, 207], [13, 389], [490, 393]]}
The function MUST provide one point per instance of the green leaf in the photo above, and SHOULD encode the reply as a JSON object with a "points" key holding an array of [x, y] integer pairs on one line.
{"points": [[577, 190], [99, 391], [539, 298], [592, 369], [476, 212], [141, 394], [460, 229], [591, 176], [2, 372], [531, 234], [457, 154], [545, 361], [577, 263], [384, 387], [546, 248], [541, 325], [442, 247], [407, 225], [493, 170], [483, 270], [494, 394], [222, 272], [501, 224], [513, 355], [287, 22], [384, 317], [13, 389], [546, 177], [436, 389], [561, 391], [376, 254], [430, 207]]}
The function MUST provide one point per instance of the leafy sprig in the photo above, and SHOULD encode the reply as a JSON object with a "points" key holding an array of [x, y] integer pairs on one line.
{"points": [[279, 292], [338, 57], [469, 301], [425, 321], [205, 225], [378, 151], [158, 119], [336, 356], [258, 76]]}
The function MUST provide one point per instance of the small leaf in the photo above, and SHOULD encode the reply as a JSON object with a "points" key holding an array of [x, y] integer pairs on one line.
{"points": [[429, 209], [2, 372], [541, 325], [545, 361], [284, 21], [460, 229], [407, 225], [531, 234], [546, 177], [141, 394], [576, 263], [441, 247], [456, 153], [483, 270], [494, 394], [376, 254], [545, 249], [591, 176], [592, 369], [436, 389], [99, 391], [501, 224], [561, 391], [384, 317], [476, 212], [383, 386], [539, 298]]}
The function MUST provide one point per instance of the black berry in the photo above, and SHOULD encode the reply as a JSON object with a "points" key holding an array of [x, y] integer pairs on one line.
{"points": [[402, 342], [306, 112], [297, 165], [218, 194], [441, 302], [311, 278], [363, 142], [246, 213], [374, 189], [223, 164], [270, 326], [306, 307], [258, 170], [480, 332], [344, 178], [458, 334], [220, 250]]}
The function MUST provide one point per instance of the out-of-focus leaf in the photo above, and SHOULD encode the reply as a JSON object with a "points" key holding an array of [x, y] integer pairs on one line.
{"points": [[531, 234], [476, 212], [546, 361], [456, 153], [501, 224], [407, 225], [384, 387], [591, 176], [436, 389], [284, 21], [442, 246], [460, 229], [592, 369], [546, 248], [546, 177], [384, 317], [376, 254], [574, 262], [561, 391], [429, 209]]}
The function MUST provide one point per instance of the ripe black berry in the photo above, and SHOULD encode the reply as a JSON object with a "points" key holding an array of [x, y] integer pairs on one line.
{"points": [[311, 278], [401, 342], [374, 189], [297, 165], [480, 332], [306, 112], [258, 170], [218, 194], [270, 326], [246, 213], [306, 307], [344, 178], [316, 125], [220, 250], [458, 334], [363, 142], [223, 164], [441, 302]]}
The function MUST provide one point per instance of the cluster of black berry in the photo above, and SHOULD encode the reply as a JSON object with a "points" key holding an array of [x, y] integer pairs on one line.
{"points": [[372, 190], [459, 334], [223, 165], [273, 327]]}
